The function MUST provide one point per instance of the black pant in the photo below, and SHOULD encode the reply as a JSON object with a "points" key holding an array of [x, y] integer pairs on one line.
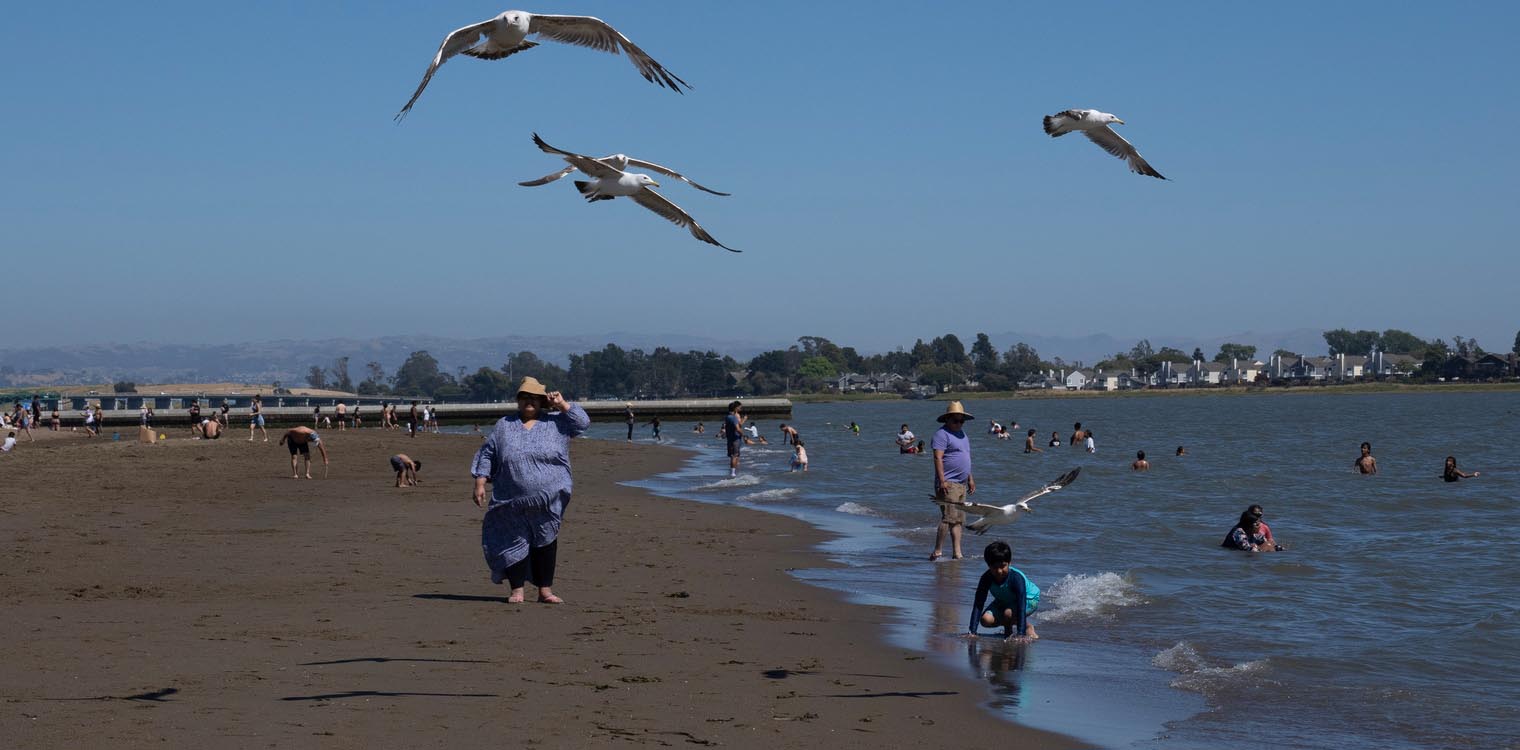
{"points": [[541, 561], [630, 430]]}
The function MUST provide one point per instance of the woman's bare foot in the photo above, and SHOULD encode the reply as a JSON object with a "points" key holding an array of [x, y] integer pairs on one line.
{"points": [[546, 596], [935, 555], [516, 597]]}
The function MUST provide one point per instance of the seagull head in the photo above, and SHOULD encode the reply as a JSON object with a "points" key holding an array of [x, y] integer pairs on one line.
{"points": [[1112, 119], [647, 181]]}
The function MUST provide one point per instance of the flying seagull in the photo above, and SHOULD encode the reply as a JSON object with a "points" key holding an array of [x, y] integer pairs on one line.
{"points": [[505, 35], [993, 515], [608, 182], [621, 162], [1095, 125]]}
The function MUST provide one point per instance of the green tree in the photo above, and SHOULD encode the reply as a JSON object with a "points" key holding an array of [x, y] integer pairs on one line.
{"points": [[1197, 354], [1343, 341], [984, 357], [487, 384], [1141, 351], [1516, 347], [1394, 341], [418, 376], [1020, 361], [340, 379], [521, 365], [316, 377], [374, 381], [818, 368], [1229, 352], [948, 350]]}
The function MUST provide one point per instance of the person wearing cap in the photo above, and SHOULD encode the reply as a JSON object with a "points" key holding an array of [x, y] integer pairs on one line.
{"points": [[952, 476], [527, 460], [628, 417]]}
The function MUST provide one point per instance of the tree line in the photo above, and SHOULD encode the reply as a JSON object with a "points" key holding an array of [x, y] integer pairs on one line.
{"points": [[812, 365]]}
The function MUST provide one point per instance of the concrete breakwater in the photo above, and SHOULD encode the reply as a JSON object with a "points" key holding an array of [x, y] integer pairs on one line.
{"points": [[709, 409]]}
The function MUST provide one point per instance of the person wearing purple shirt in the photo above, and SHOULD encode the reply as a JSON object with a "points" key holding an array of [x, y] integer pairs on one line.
{"points": [[952, 476], [527, 460]]}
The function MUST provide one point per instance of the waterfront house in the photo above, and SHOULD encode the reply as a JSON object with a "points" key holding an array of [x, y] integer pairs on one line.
{"points": [[1205, 373], [1242, 372], [1076, 380]]}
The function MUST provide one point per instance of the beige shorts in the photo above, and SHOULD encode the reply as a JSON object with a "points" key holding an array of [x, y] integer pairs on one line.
{"points": [[951, 514]]}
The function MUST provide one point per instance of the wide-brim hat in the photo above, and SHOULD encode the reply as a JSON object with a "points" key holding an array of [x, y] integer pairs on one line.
{"points": [[955, 409], [533, 387]]}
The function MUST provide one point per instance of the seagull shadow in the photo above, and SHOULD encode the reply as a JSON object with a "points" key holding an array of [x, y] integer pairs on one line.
{"points": [[385, 659], [383, 694], [898, 694], [460, 598]]}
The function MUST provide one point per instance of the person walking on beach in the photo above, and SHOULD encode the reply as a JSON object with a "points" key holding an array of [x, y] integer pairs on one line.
{"points": [[952, 477], [1366, 464], [1014, 596], [654, 426], [527, 460], [89, 422], [23, 419], [221, 416], [628, 417], [37, 412], [1029, 446], [411, 420], [341, 412], [56, 424], [256, 418], [300, 440], [195, 417], [1140, 463], [733, 432]]}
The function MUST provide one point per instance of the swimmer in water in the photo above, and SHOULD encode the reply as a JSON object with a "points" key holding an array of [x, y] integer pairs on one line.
{"points": [[1029, 446], [1055, 440], [1140, 463], [1366, 464], [1452, 474]]}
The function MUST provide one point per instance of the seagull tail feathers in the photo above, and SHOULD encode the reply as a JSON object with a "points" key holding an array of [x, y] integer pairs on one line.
{"points": [[589, 192], [1053, 127]]}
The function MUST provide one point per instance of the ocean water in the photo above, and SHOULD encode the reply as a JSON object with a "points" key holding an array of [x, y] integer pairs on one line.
{"points": [[1392, 621]]}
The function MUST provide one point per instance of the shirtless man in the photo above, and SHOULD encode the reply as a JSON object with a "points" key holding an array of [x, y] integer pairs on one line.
{"points": [[211, 429], [1366, 464], [342, 411], [788, 434], [406, 470], [300, 440], [1077, 435], [1029, 446], [1140, 463]]}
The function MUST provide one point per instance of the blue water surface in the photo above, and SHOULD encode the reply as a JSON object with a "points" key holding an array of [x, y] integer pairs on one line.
{"points": [[1390, 622]]}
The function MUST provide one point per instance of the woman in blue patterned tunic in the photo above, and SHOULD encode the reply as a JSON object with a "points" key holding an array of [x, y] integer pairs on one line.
{"points": [[527, 460]]}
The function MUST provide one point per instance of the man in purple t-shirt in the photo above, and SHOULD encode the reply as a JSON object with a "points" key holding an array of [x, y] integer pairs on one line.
{"points": [[952, 476]]}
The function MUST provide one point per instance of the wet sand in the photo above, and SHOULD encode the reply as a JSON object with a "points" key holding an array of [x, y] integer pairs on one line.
{"points": [[190, 593]]}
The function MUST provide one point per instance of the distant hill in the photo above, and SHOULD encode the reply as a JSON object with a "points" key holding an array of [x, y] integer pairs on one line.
{"points": [[288, 361]]}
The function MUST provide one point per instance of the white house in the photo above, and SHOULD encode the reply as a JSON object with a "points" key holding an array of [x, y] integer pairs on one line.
{"points": [[1205, 373], [1383, 365], [1242, 373], [1348, 367], [1076, 380], [1104, 381]]}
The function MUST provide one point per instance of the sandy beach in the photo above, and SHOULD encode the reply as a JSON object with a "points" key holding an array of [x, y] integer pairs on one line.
{"points": [[190, 593]]}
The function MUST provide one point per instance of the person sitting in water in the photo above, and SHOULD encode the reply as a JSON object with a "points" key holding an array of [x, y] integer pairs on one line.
{"points": [[1452, 474], [1014, 596], [1181, 451], [1248, 535], [699, 429]]}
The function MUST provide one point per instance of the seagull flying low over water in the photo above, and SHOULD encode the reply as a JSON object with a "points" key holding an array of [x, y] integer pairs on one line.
{"points": [[608, 182], [1095, 125], [993, 515], [621, 162], [505, 35]]}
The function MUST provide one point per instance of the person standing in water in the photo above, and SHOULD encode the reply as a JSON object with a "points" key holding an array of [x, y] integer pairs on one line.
{"points": [[1140, 463], [1366, 464], [1029, 446], [953, 479]]}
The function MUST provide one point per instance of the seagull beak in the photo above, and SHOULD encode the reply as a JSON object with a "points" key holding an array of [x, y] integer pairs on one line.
{"points": [[1118, 121], [656, 184]]}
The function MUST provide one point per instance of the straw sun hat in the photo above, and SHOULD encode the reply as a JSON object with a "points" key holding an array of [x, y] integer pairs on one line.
{"points": [[533, 387], [955, 409]]}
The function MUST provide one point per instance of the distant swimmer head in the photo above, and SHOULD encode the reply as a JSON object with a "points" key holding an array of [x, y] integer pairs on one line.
{"points": [[1140, 455], [1031, 432]]}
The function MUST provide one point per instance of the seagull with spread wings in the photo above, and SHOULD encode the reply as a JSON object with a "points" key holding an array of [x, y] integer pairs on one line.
{"points": [[621, 162], [1095, 125], [608, 182], [506, 34], [993, 515]]}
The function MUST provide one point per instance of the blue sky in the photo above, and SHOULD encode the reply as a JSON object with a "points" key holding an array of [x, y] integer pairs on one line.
{"points": [[235, 168]]}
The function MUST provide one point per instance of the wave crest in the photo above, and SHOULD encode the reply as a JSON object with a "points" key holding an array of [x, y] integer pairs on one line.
{"points": [[1087, 597], [743, 480], [769, 495]]}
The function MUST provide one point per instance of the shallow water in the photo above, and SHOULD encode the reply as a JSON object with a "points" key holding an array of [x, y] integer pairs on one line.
{"points": [[1391, 622]]}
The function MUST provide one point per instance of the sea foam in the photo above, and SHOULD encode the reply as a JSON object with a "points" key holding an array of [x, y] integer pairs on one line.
{"points": [[1197, 675], [1087, 597], [856, 509], [769, 495], [743, 480]]}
